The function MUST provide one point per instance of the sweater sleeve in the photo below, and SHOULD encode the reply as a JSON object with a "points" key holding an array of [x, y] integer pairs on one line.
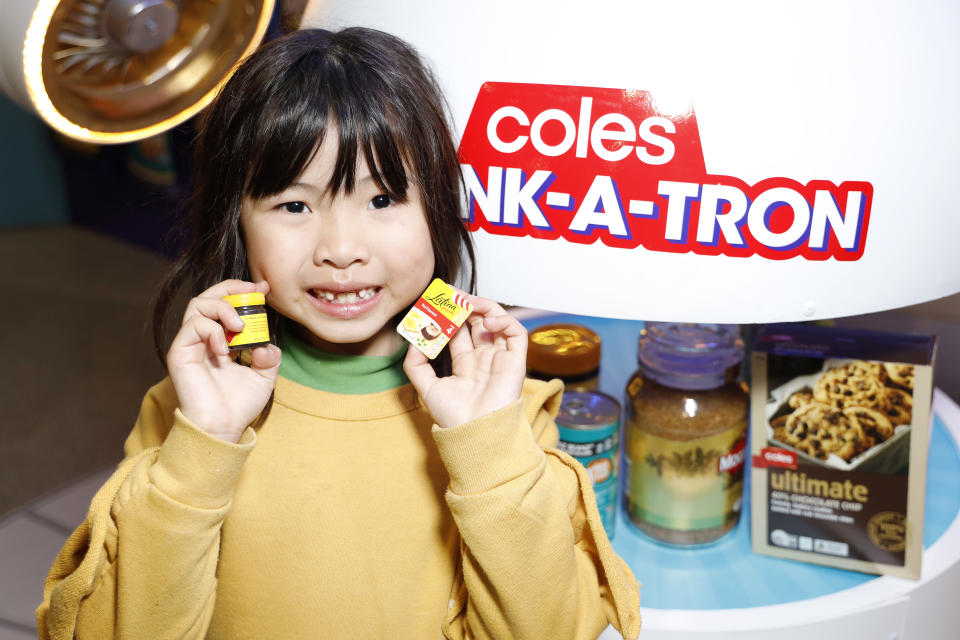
{"points": [[535, 560], [143, 563]]}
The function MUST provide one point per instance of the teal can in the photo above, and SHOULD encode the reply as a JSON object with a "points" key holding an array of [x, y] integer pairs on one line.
{"points": [[589, 425]]}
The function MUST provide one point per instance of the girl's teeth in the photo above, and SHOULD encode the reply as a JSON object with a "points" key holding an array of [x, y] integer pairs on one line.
{"points": [[346, 297]]}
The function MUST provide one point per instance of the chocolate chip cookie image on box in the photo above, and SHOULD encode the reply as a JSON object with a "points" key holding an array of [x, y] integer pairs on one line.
{"points": [[852, 415]]}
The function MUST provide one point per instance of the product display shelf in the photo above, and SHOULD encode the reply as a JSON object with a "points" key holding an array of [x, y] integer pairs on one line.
{"points": [[725, 590]]}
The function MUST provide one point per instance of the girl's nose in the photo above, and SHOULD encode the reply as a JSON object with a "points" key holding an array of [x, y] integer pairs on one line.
{"points": [[342, 242]]}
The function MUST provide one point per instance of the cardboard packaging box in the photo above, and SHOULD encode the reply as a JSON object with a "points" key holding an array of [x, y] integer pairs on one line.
{"points": [[840, 426]]}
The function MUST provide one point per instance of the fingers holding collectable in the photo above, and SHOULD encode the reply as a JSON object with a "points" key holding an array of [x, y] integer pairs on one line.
{"points": [[481, 335], [206, 320], [491, 324], [198, 340], [417, 367], [265, 360], [213, 309], [210, 303], [461, 344]]}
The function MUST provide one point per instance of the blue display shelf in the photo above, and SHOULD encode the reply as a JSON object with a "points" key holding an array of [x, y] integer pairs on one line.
{"points": [[728, 574]]}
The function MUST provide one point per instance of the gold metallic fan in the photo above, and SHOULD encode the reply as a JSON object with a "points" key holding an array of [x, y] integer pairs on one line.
{"points": [[122, 70]]}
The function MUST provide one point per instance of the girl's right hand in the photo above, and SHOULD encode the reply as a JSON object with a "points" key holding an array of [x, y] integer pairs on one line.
{"points": [[216, 393]]}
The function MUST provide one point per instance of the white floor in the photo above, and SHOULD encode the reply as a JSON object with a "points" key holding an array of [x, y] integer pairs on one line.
{"points": [[29, 541]]}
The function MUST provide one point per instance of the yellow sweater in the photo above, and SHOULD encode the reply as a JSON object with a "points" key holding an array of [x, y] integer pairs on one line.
{"points": [[343, 517]]}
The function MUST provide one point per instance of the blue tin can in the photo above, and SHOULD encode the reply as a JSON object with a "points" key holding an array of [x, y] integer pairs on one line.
{"points": [[589, 425]]}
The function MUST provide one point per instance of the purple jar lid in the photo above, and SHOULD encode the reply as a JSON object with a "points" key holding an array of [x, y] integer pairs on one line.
{"points": [[689, 356]]}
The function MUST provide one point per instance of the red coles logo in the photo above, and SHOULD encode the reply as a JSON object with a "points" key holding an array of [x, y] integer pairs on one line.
{"points": [[588, 164], [775, 457]]}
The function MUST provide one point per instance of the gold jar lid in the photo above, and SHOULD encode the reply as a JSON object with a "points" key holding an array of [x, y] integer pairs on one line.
{"points": [[563, 350]]}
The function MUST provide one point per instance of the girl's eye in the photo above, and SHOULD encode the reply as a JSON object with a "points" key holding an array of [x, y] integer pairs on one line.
{"points": [[294, 207], [381, 201]]}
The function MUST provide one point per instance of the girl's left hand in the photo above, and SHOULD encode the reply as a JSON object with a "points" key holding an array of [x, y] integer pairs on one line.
{"points": [[489, 356]]}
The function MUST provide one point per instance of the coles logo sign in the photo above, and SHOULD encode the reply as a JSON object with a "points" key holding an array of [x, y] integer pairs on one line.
{"points": [[587, 164]]}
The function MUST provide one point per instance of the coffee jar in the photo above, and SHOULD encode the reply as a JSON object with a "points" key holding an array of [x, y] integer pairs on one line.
{"points": [[685, 433]]}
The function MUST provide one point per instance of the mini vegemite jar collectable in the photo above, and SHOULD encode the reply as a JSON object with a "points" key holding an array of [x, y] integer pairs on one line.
{"points": [[570, 352], [256, 329], [685, 433]]}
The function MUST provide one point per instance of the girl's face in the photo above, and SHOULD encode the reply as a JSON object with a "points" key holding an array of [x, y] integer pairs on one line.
{"points": [[340, 267]]}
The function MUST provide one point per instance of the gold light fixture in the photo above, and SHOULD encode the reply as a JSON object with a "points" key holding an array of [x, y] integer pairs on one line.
{"points": [[110, 71]]}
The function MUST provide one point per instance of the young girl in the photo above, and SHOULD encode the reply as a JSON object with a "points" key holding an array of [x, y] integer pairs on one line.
{"points": [[347, 489]]}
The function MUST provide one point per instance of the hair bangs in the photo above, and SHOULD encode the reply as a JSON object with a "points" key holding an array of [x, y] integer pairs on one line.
{"points": [[367, 128], [292, 127], [320, 98]]}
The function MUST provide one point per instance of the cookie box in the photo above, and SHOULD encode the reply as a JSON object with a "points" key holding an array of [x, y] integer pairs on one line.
{"points": [[840, 423]]}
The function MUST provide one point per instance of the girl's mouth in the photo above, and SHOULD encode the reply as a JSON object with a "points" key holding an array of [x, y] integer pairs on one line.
{"points": [[345, 297], [346, 304]]}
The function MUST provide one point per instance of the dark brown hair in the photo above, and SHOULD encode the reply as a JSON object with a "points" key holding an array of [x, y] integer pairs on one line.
{"points": [[271, 117]]}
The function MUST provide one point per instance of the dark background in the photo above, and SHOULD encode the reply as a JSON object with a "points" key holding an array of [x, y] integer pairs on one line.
{"points": [[85, 239]]}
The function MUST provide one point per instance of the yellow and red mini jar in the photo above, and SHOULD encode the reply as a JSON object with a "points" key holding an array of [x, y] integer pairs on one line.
{"points": [[253, 311]]}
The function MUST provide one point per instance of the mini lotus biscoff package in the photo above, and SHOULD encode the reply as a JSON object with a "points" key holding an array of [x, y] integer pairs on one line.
{"points": [[840, 427]]}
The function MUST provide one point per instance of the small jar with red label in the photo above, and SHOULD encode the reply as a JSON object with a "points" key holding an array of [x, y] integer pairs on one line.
{"points": [[256, 326], [685, 433]]}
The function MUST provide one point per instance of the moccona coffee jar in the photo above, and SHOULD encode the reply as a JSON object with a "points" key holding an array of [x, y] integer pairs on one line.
{"points": [[685, 433]]}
